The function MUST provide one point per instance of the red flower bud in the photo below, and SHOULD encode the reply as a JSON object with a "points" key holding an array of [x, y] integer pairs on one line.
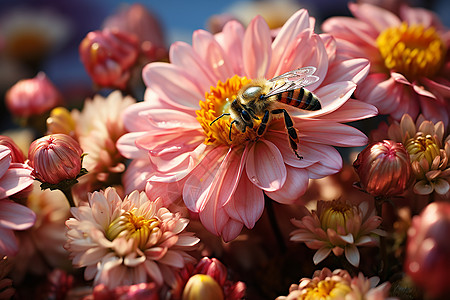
{"points": [[428, 247], [55, 158], [384, 168], [108, 57], [33, 96]]}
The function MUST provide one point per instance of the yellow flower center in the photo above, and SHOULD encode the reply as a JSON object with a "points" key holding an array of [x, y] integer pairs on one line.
{"points": [[327, 289], [131, 226], [336, 215], [422, 146], [412, 50], [216, 103]]}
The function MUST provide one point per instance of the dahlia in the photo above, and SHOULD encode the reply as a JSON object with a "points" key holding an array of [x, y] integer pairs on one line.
{"points": [[340, 227], [408, 56], [127, 242], [175, 147], [337, 285]]}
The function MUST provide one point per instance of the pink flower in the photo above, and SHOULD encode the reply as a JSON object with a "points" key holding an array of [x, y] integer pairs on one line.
{"points": [[55, 158], [34, 96], [174, 147], [138, 20], [427, 260], [337, 285], [127, 242], [16, 154], [14, 177], [339, 227], [409, 64], [108, 57]]}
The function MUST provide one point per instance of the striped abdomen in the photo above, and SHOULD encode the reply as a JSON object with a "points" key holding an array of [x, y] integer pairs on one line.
{"points": [[300, 98]]}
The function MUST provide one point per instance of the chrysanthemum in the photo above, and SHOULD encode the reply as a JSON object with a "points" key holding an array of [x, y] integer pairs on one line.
{"points": [[127, 242], [14, 178], [340, 227], [408, 56], [335, 285], [173, 145], [429, 152], [97, 127]]}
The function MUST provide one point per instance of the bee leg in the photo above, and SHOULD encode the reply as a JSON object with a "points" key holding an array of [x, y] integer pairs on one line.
{"points": [[292, 132], [263, 125], [231, 127]]}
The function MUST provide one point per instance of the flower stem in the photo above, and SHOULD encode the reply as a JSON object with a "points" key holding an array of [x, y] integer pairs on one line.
{"points": [[274, 223], [383, 253], [68, 194]]}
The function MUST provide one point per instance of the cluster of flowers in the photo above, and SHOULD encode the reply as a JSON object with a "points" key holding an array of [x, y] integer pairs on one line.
{"points": [[156, 188]]}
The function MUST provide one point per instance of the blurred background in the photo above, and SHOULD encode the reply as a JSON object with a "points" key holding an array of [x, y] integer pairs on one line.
{"points": [[62, 25]]}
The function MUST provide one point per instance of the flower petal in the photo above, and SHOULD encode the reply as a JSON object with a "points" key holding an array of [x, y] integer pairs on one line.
{"points": [[321, 254], [233, 36], [294, 187], [15, 216], [257, 51], [352, 255], [265, 166], [374, 15]]}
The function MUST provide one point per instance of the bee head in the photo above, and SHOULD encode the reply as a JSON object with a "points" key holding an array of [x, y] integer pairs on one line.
{"points": [[242, 117]]}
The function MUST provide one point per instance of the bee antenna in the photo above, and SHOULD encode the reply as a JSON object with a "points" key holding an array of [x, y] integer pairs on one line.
{"points": [[231, 127], [218, 118]]}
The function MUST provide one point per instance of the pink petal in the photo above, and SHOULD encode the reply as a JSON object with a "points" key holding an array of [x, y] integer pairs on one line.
{"points": [[352, 110], [265, 166], [15, 216], [281, 141], [5, 159], [231, 230], [184, 92], [127, 145], [296, 24], [131, 116], [349, 70], [196, 191], [153, 270], [351, 29], [214, 217], [294, 187], [330, 133], [15, 180], [8, 243], [212, 54], [173, 259], [257, 51], [136, 175], [166, 119], [247, 203], [330, 45], [374, 16], [416, 15], [321, 254], [442, 88], [352, 255], [233, 36], [433, 111], [184, 56]]}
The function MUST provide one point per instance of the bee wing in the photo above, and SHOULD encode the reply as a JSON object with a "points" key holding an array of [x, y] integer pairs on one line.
{"points": [[292, 83], [305, 71]]}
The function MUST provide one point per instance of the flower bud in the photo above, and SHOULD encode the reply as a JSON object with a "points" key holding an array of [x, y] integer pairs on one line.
{"points": [[212, 267], [202, 286], [33, 96], [16, 154], [384, 168], [55, 158], [138, 20], [428, 247], [108, 57]]}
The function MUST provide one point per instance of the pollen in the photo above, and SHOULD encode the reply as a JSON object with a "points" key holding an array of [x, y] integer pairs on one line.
{"points": [[412, 50], [216, 103], [326, 289], [131, 226], [422, 146]]}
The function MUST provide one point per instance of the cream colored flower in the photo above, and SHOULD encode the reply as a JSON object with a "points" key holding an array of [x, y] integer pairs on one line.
{"points": [[127, 242], [340, 227], [429, 152]]}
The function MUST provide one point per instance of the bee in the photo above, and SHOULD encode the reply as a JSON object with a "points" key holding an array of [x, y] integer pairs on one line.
{"points": [[262, 98]]}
